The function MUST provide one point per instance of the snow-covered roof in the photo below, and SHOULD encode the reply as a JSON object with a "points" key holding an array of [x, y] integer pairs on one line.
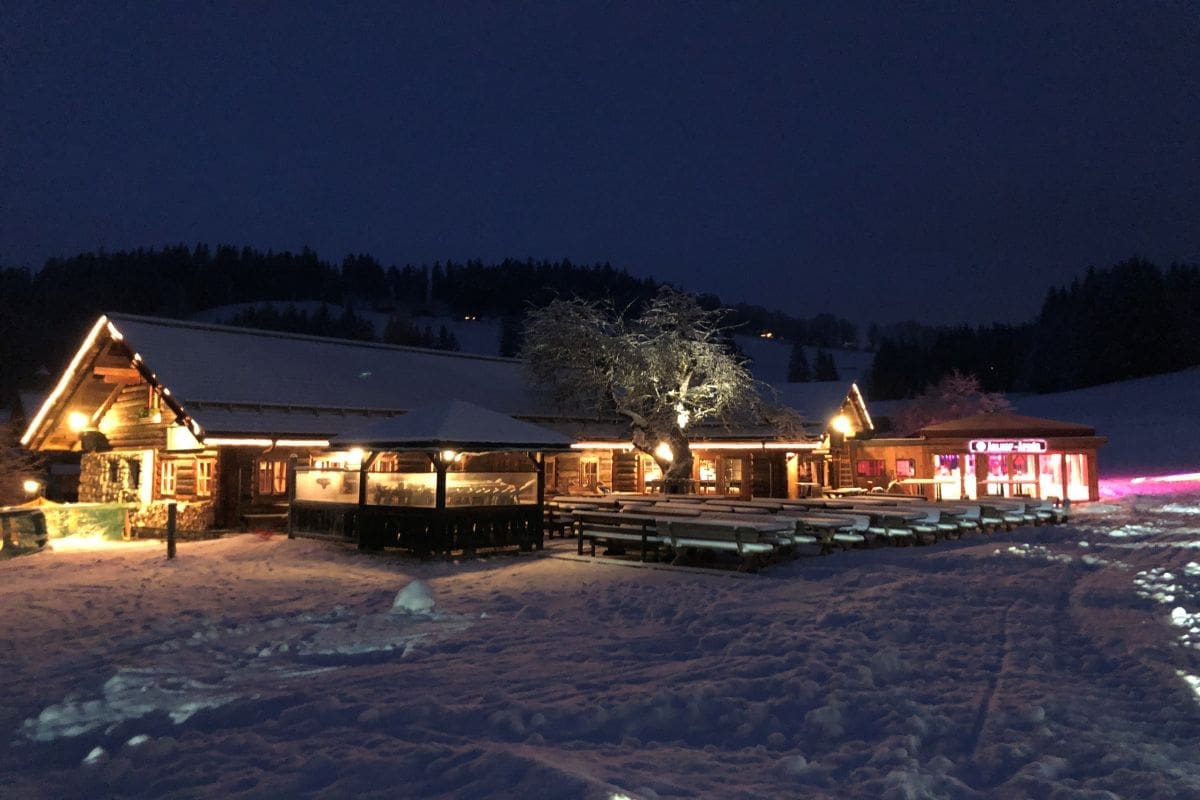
{"points": [[1006, 424], [457, 425], [221, 364], [281, 421], [819, 401], [223, 381]]}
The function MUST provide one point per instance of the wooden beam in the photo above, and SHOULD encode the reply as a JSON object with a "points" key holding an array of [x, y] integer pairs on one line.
{"points": [[118, 374]]}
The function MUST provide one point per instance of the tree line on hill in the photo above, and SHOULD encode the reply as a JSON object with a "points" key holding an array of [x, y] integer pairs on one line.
{"points": [[1126, 321], [44, 313]]}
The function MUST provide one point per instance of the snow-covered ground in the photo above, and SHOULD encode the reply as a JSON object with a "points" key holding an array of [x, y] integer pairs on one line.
{"points": [[1050, 662]]}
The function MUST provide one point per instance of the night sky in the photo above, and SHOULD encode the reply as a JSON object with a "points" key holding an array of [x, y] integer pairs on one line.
{"points": [[938, 161]]}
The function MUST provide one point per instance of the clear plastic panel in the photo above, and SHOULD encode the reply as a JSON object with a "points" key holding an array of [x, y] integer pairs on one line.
{"points": [[327, 485], [417, 489], [491, 488], [413, 489]]}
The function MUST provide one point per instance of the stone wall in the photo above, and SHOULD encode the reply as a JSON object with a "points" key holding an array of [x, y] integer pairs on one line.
{"points": [[114, 477], [110, 477]]}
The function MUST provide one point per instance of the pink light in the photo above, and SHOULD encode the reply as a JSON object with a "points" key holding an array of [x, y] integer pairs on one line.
{"points": [[1150, 484]]}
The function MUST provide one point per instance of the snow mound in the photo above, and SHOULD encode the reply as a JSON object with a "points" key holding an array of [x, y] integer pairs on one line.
{"points": [[416, 598]]}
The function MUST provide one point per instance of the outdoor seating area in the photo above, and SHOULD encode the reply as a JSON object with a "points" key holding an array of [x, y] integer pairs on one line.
{"points": [[750, 534]]}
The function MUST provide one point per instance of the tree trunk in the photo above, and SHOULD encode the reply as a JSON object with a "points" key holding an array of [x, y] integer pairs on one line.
{"points": [[678, 478]]}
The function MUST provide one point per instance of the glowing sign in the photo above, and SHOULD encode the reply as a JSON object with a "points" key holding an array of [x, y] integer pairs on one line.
{"points": [[993, 446]]}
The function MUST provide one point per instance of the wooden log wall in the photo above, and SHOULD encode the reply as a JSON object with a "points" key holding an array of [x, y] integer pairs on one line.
{"points": [[626, 471], [568, 471], [130, 421], [769, 475]]}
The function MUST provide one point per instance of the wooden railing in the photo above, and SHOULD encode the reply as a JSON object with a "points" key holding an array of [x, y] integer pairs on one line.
{"points": [[422, 531]]}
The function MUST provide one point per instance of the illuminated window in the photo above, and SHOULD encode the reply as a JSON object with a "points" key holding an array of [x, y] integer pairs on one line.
{"points": [[166, 478], [906, 468], [589, 473], [272, 477], [869, 468], [388, 462], [204, 473]]}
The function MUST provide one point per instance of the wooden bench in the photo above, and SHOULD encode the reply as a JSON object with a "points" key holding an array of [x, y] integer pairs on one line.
{"points": [[679, 533], [617, 528], [754, 545]]}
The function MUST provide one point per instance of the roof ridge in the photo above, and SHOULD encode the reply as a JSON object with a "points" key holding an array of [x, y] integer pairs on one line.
{"points": [[117, 316]]}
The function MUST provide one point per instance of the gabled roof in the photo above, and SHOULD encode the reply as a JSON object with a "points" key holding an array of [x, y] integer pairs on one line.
{"points": [[228, 382], [455, 425], [1005, 424], [221, 364], [821, 401]]}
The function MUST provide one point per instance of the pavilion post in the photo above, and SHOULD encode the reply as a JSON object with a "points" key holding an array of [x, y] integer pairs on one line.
{"points": [[292, 461], [171, 524]]}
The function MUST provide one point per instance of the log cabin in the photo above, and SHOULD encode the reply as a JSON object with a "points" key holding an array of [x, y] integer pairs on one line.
{"points": [[209, 416]]}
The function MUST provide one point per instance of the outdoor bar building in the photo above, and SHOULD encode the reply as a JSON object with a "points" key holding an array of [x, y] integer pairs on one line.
{"points": [[230, 424], [997, 454]]}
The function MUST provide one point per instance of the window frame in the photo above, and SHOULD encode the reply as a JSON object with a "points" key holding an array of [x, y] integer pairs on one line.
{"points": [[168, 477], [205, 467], [877, 468], [271, 474]]}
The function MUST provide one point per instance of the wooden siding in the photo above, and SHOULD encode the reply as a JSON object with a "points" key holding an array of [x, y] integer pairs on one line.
{"points": [[770, 475], [568, 470], [185, 475], [626, 469], [131, 424]]}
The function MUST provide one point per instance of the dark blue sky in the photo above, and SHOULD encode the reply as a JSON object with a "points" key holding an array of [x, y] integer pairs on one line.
{"points": [[940, 161]]}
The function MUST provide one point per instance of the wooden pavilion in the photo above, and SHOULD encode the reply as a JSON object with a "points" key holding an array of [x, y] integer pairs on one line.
{"points": [[449, 477]]}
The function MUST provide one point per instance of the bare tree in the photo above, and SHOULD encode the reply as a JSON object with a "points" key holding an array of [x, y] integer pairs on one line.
{"points": [[953, 397], [17, 465], [663, 371]]}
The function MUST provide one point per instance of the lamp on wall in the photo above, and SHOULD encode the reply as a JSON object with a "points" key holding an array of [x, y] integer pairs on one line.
{"points": [[841, 424]]}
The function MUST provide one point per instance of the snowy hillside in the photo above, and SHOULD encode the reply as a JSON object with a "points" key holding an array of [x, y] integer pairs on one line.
{"points": [[769, 359], [1152, 424]]}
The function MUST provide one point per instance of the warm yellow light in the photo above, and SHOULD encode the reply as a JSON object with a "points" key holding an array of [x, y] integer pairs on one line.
{"points": [[663, 452], [862, 404], [306, 443], [31, 486], [701, 445], [227, 441], [841, 423], [450, 455], [64, 380], [221, 441], [77, 421], [602, 446]]}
